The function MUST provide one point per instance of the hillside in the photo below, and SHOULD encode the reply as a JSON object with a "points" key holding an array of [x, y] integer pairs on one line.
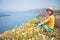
{"points": [[29, 31]]}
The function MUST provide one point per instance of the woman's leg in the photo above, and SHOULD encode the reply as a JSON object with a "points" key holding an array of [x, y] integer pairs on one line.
{"points": [[45, 27]]}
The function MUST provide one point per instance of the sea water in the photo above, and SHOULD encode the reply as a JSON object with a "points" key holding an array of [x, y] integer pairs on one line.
{"points": [[9, 20]]}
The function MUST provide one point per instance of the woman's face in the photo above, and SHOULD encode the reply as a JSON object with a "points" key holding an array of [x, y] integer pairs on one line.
{"points": [[48, 12]]}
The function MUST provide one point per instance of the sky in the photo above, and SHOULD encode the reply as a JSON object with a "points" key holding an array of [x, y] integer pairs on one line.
{"points": [[22, 5]]}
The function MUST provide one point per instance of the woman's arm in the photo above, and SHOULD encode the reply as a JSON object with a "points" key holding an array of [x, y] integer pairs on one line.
{"points": [[45, 21]]}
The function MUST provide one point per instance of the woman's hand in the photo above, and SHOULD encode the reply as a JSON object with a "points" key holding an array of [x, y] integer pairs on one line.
{"points": [[38, 25]]}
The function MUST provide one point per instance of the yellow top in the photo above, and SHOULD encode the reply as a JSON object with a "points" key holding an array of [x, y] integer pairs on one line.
{"points": [[50, 24]]}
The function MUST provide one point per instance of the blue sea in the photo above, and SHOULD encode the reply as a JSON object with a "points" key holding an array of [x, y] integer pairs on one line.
{"points": [[9, 20]]}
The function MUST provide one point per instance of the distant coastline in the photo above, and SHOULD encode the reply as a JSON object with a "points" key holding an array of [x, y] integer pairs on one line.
{"points": [[4, 15]]}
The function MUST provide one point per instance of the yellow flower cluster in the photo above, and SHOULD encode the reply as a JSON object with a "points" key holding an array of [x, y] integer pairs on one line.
{"points": [[58, 17]]}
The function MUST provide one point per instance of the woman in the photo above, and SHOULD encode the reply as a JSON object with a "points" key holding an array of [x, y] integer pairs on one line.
{"points": [[48, 24]]}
